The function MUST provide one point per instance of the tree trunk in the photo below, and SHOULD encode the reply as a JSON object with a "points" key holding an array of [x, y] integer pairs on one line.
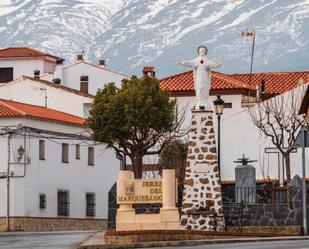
{"points": [[137, 165], [287, 167]]}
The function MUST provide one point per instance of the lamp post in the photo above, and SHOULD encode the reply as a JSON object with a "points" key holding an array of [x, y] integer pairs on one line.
{"points": [[219, 105]]}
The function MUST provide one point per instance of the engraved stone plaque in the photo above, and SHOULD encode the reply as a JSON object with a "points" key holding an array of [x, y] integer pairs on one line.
{"points": [[201, 167]]}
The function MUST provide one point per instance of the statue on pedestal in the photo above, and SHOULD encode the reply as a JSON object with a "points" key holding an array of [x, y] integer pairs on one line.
{"points": [[202, 198], [202, 76]]}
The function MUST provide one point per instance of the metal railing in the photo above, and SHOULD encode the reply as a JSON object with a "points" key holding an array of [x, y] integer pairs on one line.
{"points": [[260, 194]]}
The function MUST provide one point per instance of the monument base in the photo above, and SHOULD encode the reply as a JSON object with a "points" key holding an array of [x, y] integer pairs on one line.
{"points": [[202, 201], [134, 190], [166, 220]]}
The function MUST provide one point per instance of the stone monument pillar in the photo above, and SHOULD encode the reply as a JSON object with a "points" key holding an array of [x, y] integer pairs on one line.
{"points": [[245, 181], [202, 201]]}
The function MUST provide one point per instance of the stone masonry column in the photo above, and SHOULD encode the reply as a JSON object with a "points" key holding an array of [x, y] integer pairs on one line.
{"points": [[202, 200]]}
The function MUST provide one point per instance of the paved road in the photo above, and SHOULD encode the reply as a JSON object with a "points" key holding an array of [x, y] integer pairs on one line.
{"points": [[52, 240], [296, 244]]}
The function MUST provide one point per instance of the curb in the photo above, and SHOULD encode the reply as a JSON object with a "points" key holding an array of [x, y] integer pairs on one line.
{"points": [[190, 242], [47, 233]]}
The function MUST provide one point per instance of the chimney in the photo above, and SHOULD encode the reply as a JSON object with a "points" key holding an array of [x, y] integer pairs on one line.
{"points": [[57, 81], [80, 57], [58, 72], [84, 83], [262, 89], [36, 74], [102, 63], [149, 71]]}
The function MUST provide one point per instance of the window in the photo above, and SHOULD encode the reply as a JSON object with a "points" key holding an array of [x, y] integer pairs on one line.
{"points": [[77, 151], [65, 153], [41, 149], [228, 105], [84, 79], [63, 203], [90, 204], [6, 74], [91, 156], [42, 201]]}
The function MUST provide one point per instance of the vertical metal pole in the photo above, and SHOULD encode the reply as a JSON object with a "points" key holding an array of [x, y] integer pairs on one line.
{"points": [[46, 97], [219, 168], [304, 182], [252, 54], [8, 185]]}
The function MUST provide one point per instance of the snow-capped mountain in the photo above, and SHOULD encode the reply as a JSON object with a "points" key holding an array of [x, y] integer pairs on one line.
{"points": [[132, 33]]}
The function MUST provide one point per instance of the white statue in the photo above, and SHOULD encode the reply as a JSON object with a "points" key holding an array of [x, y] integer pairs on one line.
{"points": [[202, 76]]}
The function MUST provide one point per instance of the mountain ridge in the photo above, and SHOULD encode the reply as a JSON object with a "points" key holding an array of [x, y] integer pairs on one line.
{"points": [[130, 34]]}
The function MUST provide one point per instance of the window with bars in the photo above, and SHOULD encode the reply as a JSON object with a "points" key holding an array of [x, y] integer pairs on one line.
{"points": [[43, 201], [77, 151], [41, 149], [227, 105], [90, 204], [91, 156], [65, 153], [63, 203]]}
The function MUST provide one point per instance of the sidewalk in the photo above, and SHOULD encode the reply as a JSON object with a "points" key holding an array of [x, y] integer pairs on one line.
{"points": [[97, 242]]}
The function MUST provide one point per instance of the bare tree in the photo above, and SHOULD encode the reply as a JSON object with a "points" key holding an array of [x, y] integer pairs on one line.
{"points": [[278, 119]]}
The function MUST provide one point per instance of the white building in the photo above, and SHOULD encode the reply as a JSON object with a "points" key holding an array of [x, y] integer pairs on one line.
{"points": [[238, 134], [82, 75], [18, 61], [58, 177], [47, 94], [95, 76]]}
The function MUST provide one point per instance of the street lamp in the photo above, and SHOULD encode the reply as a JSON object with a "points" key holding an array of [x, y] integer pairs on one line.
{"points": [[219, 105]]}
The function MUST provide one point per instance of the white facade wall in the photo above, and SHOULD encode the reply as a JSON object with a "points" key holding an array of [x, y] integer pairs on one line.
{"points": [[23, 66], [33, 92], [98, 77], [50, 175], [238, 136]]}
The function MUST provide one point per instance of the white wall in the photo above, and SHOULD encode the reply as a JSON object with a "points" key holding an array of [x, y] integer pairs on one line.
{"points": [[49, 175], [49, 67], [33, 92], [98, 77], [238, 136], [23, 66]]}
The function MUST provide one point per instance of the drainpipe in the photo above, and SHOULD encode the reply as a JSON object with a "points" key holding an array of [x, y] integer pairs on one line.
{"points": [[8, 184]]}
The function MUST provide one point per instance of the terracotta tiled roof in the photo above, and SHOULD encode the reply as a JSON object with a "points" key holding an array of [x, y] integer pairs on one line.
{"points": [[17, 109], [148, 69], [184, 82], [275, 82], [24, 52]]}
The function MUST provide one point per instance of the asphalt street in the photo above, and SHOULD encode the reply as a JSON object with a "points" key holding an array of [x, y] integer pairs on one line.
{"points": [[50, 240], [295, 244]]}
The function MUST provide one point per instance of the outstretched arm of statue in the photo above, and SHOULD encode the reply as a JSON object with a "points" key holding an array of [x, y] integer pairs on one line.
{"points": [[212, 65], [190, 63]]}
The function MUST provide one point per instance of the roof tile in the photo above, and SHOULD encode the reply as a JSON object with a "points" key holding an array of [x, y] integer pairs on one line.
{"points": [[16, 109], [184, 82], [14, 52], [275, 82]]}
